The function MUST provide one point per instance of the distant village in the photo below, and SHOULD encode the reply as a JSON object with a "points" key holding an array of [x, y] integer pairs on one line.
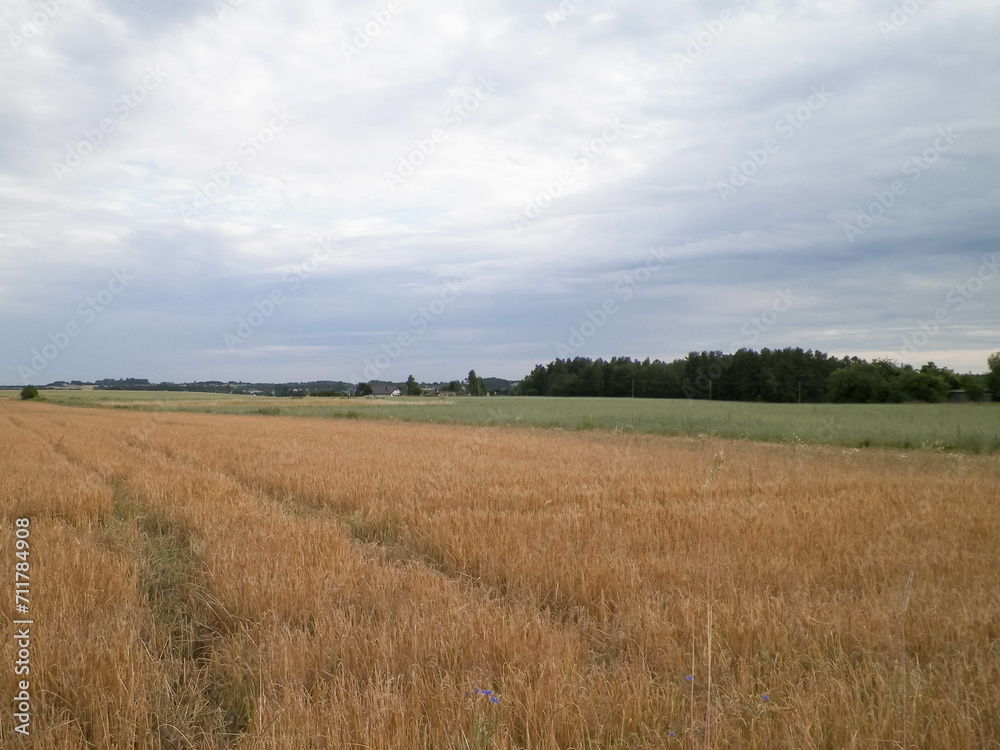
{"points": [[314, 389]]}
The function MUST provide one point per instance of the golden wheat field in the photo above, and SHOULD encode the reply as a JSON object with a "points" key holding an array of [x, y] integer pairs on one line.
{"points": [[206, 581]]}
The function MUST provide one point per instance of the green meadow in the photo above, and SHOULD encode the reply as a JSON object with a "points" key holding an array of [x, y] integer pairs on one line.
{"points": [[971, 428]]}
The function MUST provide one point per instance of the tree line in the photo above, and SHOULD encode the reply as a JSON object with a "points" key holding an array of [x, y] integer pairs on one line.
{"points": [[787, 375]]}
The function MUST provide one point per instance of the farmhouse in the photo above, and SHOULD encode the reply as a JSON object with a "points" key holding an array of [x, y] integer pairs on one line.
{"points": [[386, 391]]}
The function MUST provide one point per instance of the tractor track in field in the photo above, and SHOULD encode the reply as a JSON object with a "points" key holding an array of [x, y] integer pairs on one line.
{"points": [[173, 585], [192, 622], [392, 539]]}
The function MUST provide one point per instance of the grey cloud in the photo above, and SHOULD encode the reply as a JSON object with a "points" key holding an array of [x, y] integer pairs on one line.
{"points": [[686, 128]]}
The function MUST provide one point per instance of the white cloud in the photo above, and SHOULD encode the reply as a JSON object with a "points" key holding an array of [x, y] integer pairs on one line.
{"points": [[654, 185]]}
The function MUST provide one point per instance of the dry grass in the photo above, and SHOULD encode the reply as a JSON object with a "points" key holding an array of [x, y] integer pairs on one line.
{"points": [[257, 582]]}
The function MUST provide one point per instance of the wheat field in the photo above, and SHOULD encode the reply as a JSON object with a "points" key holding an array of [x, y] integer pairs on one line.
{"points": [[211, 581]]}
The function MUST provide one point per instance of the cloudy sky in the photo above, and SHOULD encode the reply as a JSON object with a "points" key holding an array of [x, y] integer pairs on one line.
{"points": [[263, 190]]}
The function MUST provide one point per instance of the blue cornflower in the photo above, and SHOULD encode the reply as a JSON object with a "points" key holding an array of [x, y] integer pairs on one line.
{"points": [[689, 678], [764, 697], [488, 693], [672, 734]]}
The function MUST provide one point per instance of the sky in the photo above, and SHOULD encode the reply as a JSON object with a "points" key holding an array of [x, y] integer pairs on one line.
{"points": [[270, 191]]}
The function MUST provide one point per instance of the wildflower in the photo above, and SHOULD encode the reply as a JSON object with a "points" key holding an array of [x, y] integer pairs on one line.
{"points": [[689, 678], [488, 693], [764, 697]]}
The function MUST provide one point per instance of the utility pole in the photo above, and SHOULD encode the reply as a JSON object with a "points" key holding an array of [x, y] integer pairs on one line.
{"points": [[633, 387], [709, 390], [800, 393]]}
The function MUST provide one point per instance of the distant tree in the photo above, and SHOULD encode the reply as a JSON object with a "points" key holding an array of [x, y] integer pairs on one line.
{"points": [[29, 392], [363, 389], [413, 387], [993, 379], [974, 386], [923, 385], [532, 384], [858, 384], [476, 385], [786, 375], [454, 386], [947, 375]]}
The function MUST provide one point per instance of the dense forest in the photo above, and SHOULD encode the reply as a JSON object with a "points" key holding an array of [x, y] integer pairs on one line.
{"points": [[778, 376]]}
